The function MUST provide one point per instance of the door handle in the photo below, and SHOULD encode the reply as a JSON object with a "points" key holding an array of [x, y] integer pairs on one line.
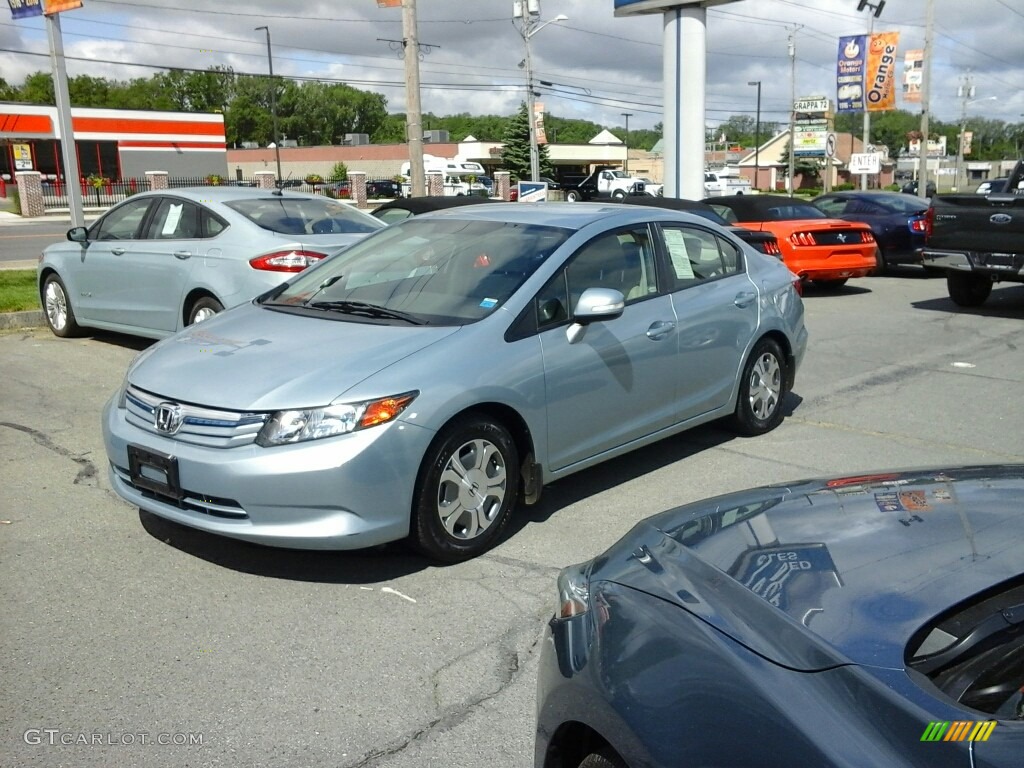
{"points": [[117, 251], [183, 254], [744, 299], [660, 330]]}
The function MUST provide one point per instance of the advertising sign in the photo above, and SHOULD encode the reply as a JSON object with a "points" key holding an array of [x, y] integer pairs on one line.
{"points": [[810, 139], [21, 9], [865, 162], [632, 7], [936, 147], [533, 191], [538, 119], [866, 73], [913, 75], [22, 157]]}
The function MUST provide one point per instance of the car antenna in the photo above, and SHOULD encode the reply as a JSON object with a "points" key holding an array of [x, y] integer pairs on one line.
{"points": [[279, 186]]}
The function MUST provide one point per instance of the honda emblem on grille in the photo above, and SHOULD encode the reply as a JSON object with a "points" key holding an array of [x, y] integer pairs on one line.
{"points": [[168, 418], [1000, 218]]}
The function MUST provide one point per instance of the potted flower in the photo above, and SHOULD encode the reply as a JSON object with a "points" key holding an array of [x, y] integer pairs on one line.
{"points": [[214, 179], [314, 178]]}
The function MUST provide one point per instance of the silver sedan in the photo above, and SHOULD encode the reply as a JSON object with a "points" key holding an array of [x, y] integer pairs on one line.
{"points": [[165, 259], [425, 380]]}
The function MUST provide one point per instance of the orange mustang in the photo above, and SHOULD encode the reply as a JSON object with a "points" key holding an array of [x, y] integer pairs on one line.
{"points": [[814, 247]]}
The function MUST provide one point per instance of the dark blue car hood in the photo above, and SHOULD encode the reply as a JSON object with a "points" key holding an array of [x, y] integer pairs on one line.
{"points": [[824, 572]]}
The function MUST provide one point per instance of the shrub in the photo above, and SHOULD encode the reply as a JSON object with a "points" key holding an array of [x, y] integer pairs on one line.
{"points": [[339, 172], [97, 182], [214, 179]]}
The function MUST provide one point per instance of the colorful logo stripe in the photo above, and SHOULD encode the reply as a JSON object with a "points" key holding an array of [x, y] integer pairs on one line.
{"points": [[959, 730]]}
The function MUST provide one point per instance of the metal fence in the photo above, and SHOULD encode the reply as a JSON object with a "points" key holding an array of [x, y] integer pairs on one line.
{"points": [[104, 193]]}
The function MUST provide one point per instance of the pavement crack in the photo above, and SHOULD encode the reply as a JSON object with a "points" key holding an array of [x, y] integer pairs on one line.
{"points": [[86, 469]]}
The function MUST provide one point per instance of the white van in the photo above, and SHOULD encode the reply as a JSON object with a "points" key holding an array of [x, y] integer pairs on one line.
{"points": [[460, 176]]}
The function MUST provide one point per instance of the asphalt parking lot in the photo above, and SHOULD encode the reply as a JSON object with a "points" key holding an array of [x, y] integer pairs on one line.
{"points": [[121, 631]]}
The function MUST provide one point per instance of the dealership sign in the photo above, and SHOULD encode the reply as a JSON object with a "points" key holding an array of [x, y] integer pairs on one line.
{"points": [[866, 73]]}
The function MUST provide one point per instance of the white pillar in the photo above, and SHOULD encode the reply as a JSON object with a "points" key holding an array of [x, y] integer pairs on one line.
{"points": [[685, 71]]}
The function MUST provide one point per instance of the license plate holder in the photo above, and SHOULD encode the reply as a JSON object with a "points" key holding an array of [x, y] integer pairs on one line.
{"points": [[155, 472]]}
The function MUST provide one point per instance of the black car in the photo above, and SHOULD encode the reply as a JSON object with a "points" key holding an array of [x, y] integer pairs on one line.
{"points": [[407, 207], [910, 188], [875, 620], [897, 221], [765, 242], [383, 188]]}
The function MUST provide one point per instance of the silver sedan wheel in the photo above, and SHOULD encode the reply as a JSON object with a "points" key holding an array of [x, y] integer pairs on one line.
{"points": [[765, 386], [472, 488], [56, 304], [204, 314]]}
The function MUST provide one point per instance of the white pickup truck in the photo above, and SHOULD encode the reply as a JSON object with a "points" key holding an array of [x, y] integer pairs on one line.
{"points": [[718, 184]]}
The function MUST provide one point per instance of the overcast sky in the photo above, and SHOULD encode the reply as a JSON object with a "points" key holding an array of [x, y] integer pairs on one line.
{"points": [[600, 66]]}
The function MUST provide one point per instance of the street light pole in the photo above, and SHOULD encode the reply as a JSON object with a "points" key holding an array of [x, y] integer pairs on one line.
{"points": [[530, 15], [964, 91], [757, 133], [273, 105], [625, 164]]}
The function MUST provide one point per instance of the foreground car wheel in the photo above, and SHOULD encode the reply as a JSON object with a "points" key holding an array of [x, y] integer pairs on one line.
{"points": [[968, 290], [762, 389], [203, 309], [59, 314], [467, 488], [602, 760]]}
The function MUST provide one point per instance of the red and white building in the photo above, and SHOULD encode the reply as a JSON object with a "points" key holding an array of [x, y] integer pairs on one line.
{"points": [[112, 143]]}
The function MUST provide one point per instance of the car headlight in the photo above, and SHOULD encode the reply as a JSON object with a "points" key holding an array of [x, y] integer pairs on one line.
{"points": [[573, 591], [314, 423]]}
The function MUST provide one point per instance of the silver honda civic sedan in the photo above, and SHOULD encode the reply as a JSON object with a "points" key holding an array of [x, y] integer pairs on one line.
{"points": [[429, 378], [165, 259]]}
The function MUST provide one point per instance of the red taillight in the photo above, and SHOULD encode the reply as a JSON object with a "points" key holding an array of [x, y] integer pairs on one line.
{"points": [[771, 247], [917, 225], [803, 238], [867, 236], [929, 222], [286, 261]]}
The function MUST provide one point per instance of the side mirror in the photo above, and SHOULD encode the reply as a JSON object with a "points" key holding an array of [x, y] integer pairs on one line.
{"points": [[595, 304], [78, 235]]}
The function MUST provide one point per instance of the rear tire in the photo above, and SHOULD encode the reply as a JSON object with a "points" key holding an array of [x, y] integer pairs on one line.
{"points": [[467, 487], [203, 308], [57, 308], [967, 289], [762, 390], [602, 760], [572, 196]]}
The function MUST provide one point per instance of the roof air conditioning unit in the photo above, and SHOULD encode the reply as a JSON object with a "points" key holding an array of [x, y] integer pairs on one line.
{"points": [[250, 145], [355, 139], [436, 137]]}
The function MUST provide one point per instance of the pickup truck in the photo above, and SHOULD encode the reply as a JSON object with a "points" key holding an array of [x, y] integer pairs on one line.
{"points": [[604, 182], [977, 240], [719, 185]]}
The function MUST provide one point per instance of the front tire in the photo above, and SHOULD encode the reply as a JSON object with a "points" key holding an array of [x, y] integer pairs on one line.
{"points": [[572, 196], [203, 309], [57, 308], [618, 194], [967, 289], [602, 760], [762, 390], [467, 488]]}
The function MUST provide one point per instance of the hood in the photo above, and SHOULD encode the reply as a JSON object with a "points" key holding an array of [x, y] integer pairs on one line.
{"points": [[847, 568], [256, 359]]}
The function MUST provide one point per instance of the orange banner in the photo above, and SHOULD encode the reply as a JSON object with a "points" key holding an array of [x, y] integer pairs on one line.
{"points": [[880, 77], [913, 73]]}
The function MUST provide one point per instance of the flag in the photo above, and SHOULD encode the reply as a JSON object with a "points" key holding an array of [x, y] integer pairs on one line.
{"points": [[880, 74], [21, 9]]}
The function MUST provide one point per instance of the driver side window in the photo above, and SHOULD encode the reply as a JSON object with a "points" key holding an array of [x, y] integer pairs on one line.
{"points": [[122, 223]]}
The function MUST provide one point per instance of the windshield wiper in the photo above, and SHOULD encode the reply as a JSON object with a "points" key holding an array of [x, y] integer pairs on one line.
{"points": [[369, 310]]}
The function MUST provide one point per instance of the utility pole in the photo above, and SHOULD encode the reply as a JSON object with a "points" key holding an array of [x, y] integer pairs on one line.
{"points": [[877, 11], [273, 107], [528, 12], [413, 116], [792, 107], [926, 84], [965, 93], [757, 133], [625, 165]]}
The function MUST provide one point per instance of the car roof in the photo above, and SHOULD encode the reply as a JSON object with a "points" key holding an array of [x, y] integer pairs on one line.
{"points": [[874, 194], [862, 562], [418, 205], [755, 207], [226, 193]]}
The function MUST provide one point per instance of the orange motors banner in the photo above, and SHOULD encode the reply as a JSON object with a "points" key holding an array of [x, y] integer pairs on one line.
{"points": [[880, 73]]}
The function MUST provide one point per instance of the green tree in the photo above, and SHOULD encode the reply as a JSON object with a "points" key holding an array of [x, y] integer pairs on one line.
{"points": [[37, 89], [515, 157]]}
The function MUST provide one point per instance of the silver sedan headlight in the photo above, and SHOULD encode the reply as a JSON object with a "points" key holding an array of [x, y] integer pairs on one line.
{"points": [[314, 423]]}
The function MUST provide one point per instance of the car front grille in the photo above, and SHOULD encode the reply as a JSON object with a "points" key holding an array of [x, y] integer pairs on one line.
{"points": [[213, 428]]}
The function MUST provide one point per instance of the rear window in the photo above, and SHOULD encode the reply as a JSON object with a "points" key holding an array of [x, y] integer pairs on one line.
{"points": [[974, 653], [304, 215]]}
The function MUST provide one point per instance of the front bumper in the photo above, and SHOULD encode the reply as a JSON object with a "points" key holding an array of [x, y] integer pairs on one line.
{"points": [[346, 492]]}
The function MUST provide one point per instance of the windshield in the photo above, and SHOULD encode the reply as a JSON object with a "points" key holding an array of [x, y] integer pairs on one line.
{"points": [[288, 215], [440, 271]]}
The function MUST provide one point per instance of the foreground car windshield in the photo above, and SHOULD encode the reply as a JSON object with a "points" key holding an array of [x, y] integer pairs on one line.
{"points": [[438, 271], [304, 215]]}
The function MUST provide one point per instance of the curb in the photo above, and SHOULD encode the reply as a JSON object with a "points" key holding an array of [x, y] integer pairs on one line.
{"points": [[32, 318]]}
